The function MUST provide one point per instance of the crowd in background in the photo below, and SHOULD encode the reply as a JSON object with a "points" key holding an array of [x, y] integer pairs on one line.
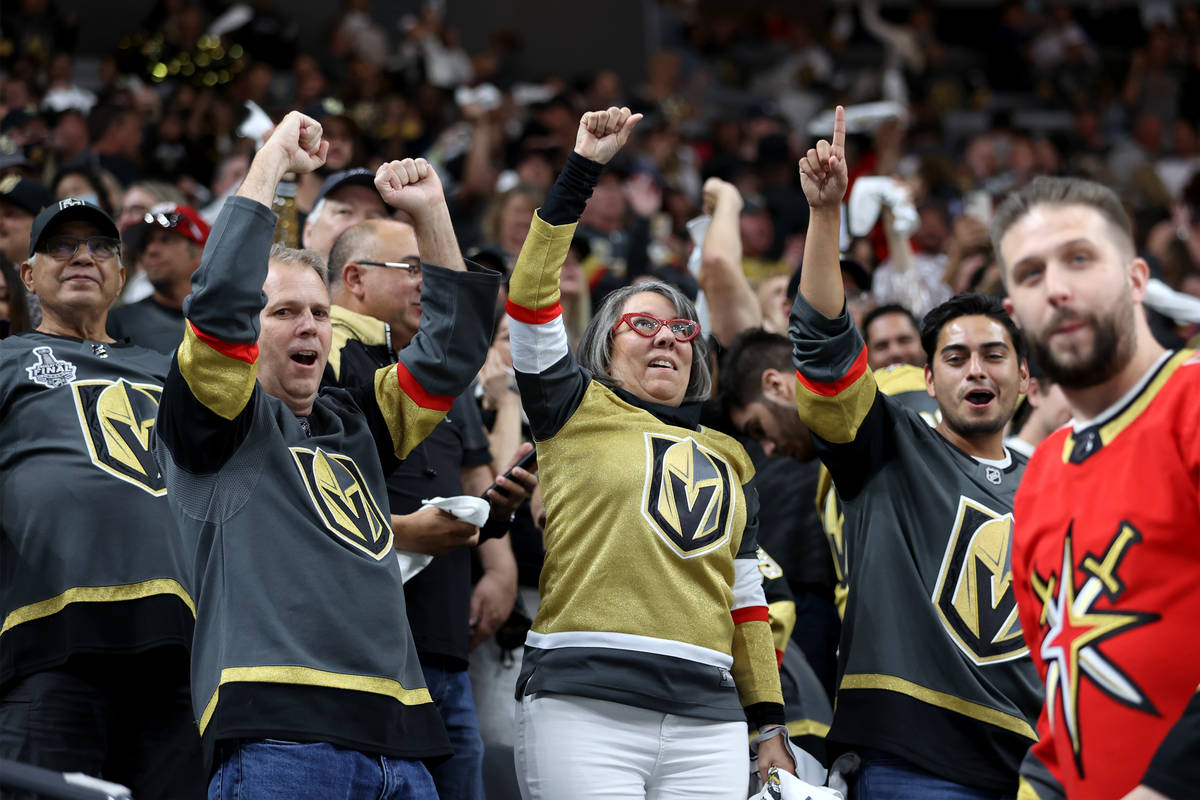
{"points": [[979, 100], [991, 96]]}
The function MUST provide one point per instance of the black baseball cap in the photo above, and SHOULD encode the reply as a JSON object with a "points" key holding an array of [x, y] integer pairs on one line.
{"points": [[347, 177], [70, 210], [24, 193]]}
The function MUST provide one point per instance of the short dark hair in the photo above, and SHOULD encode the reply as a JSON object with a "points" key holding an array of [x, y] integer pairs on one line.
{"points": [[1056, 191], [968, 304], [888, 308], [748, 356]]}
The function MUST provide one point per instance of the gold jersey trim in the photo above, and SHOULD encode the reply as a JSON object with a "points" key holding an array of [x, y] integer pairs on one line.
{"points": [[535, 278], [307, 676], [97, 594], [1114, 427], [1026, 791], [349, 326], [222, 384], [949, 702], [802, 727]]}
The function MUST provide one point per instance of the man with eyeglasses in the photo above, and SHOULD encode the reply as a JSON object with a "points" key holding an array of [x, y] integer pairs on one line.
{"points": [[375, 277], [170, 239], [96, 614], [345, 199]]}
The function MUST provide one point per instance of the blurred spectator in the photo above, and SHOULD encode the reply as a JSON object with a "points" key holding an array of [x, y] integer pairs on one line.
{"points": [[169, 243], [21, 199], [83, 183], [892, 336], [345, 199], [115, 133], [14, 308]]}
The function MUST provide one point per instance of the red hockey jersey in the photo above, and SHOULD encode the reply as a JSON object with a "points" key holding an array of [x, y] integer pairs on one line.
{"points": [[1107, 569]]}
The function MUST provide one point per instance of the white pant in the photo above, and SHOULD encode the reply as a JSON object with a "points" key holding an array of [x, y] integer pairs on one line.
{"points": [[577, 747]]}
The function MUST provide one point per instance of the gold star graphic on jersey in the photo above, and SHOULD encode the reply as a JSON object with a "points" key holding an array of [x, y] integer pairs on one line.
{"points": [[1076, 629]]}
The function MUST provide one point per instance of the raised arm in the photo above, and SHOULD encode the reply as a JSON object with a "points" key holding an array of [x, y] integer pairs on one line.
{"points": [[736, 308], [836, 394], [413, 186], [823, 178], [457, 307], [551, 382], [204, 413]]}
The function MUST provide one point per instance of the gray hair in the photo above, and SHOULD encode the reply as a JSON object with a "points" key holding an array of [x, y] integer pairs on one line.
{"points": [[307, 258], [595, 346], [1053, 191]]}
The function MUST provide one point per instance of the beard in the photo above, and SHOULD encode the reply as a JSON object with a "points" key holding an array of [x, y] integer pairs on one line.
{"points": [[1113, 340], [969, 428]]}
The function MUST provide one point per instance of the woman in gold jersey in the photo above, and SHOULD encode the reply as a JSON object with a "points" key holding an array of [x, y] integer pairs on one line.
{"points": [[651, 648]]}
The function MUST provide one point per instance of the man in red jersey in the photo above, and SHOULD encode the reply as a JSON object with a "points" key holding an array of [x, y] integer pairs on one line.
{"points": [[1106, 553]]}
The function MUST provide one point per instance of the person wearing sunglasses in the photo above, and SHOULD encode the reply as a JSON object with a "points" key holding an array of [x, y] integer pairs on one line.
{"points": [[96, 601], [651, 649], [169, 240]]}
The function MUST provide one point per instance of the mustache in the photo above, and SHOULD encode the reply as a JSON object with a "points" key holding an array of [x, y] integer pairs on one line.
{"points": [[1067, 315]]}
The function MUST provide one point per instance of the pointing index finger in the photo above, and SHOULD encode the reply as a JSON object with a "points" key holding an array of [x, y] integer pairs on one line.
{"points": [[839, 130]]}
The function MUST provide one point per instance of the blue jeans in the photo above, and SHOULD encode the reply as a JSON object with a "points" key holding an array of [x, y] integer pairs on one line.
{"points": [[460, 778], [887, 777], [268, 769]]}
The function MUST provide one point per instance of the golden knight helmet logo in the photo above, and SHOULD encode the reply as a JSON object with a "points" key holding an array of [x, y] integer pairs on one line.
{"points": [[688, 496], [340, 494]]}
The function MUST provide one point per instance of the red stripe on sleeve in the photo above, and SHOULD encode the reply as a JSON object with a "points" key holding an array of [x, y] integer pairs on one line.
{"points": [[779, 659], [409, 385], [837, 387], [242, 352], [750, 614], [531, 316]]}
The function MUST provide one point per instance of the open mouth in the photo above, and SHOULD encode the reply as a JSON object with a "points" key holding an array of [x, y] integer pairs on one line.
{"points": [[980, 397], [661, 363], [305, 357]]}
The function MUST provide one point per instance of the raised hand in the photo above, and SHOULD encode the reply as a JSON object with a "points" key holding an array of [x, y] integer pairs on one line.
{"points": [[603, 133], [823, 174], [719, 193], [297, 138], [411, 185]]}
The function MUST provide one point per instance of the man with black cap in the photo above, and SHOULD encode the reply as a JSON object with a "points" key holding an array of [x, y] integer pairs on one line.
{"points": [[171, 240], [345, 199], [96, 615], [20, 201]]}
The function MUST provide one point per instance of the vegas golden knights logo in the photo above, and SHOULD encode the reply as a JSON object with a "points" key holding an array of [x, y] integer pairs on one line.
{"points": [[688, 496], [974, 594], [340, 494], [116, 418]]}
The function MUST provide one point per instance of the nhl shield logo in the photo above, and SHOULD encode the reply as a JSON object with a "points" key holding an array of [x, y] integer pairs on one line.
{"points": [[339, 492], [993, 475], [49, 371], [688, 496], [974, 595], [116, 418]]}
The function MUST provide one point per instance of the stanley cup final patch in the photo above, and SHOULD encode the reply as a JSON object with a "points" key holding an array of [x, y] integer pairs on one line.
{"points": [[50, 371]]}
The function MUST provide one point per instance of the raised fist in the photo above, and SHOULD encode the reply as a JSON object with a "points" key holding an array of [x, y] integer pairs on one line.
{"points": [[411, 185], [602, 133], [718, 192], [823, 174], [298, 139]]}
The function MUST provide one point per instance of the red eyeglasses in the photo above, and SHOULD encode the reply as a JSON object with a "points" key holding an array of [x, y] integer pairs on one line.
{"points": [[684, 330]]}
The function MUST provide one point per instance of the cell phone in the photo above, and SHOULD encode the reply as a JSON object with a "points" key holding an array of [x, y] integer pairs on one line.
{"points": [[528, 463]]}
